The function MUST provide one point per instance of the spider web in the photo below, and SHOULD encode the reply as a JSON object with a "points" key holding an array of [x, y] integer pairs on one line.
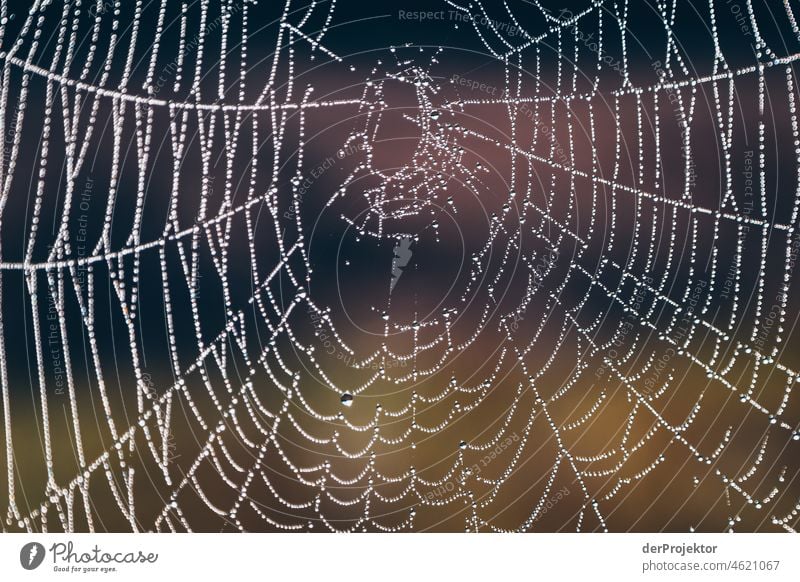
{"points": [[586, 291]]}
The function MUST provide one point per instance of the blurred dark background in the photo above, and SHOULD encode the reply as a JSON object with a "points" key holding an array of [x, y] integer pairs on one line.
{"points": [[204, 326]]}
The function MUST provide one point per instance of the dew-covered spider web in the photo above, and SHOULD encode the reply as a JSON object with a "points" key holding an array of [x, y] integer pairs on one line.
{"points": [[491, 266]]}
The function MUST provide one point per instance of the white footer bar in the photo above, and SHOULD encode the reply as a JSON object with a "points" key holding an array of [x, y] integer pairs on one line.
{"points": [[407, 557]]}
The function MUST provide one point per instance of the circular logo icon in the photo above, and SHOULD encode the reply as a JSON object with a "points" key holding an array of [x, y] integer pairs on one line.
{"points": [[31, 555]]}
